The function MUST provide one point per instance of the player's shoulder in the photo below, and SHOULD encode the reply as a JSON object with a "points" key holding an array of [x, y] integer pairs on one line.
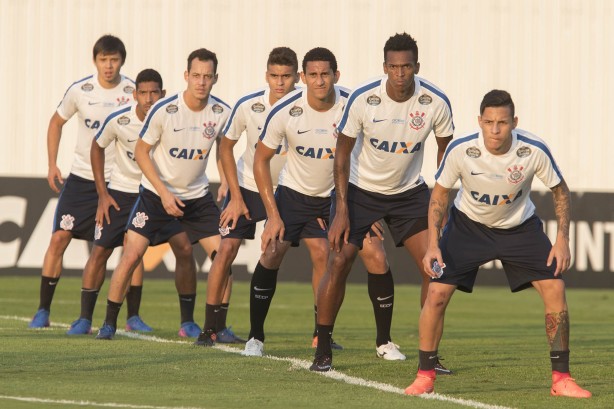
{"points": [[217, 105], [370, 87], [292, 100], [344, 92], [167, 105], [430, 92], [84, 84], [250, 98], [465, 141], [528, 139]]}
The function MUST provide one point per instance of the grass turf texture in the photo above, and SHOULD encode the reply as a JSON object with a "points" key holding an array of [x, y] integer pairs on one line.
{"points": [[494, 341]]}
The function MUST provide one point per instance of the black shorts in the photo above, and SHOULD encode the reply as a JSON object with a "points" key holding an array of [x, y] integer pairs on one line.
{"points": [[300, 214], [246, 229], [76, 209], [149, 219], [405, 213], [523, 251], [111, 235]]}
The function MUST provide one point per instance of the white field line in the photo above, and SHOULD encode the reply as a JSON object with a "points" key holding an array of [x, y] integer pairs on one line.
{"points": [[294, 362], [89, 403]]}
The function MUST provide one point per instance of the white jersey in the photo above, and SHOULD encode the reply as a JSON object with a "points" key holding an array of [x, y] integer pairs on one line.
{"points": [[389, 150], [249, 115], [93, 104], [311, 137], [495, 188], [122, 127], [182, 141]]}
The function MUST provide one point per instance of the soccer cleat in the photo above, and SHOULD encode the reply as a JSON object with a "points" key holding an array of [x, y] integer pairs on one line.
{"points": [[333, 344], [40, 319], [227, 336], [390, 352], [206, 339], [189, 329], [569, 388], [322, 363], [440, 369], [82, 326], [135, 323], [106, 332], [421, 385], [253, 347]]}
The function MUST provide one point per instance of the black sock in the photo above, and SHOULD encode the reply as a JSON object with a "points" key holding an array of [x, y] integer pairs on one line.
{"points": [[48, 285], [264, 282], [186, 306], [315, 314], [428, 360], [211, 312], [133, 300], [381, 292], [560, 361], [325, 333], [88, 302], [112, 313], [221, 316]]}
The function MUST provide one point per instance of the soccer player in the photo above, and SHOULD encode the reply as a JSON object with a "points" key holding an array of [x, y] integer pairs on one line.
{"points": [[243, 207], [493, 218], [92, 98], [121, 129], [176, 140], [380, 149]]}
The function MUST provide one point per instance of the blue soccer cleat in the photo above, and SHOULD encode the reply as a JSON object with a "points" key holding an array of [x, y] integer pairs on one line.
{"points": [[189, 329], [135, 323], [82, 326], [40, 319], [106, 332], [227, 336]]}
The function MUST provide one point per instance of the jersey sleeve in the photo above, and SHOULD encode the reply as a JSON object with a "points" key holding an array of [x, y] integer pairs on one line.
{"points": [[546, 168], [236, 124], [443, 125], [352, 117], [275, 132], [107, 133], [153, 127], [69, 104], [450, 169]]}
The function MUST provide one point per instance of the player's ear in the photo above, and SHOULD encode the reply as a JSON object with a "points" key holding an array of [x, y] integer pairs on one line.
{"points": [[134, 94], [185, 75], [303, 77], [215, 79], [337, 76], [417, 70], [515, 122], [163, 93]]}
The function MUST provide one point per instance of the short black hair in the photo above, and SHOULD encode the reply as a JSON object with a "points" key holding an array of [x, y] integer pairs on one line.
{"points": [[202, 54], [401, 42], [149, 75], [109, 44], [497, 98], [320, 54], [283, 56]]}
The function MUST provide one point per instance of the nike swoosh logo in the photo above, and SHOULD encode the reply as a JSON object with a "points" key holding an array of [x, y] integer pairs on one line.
{"points": [[260, 128], [52, 283], [177, 130], [131, 140], [433, 357], [302, 132], [186, 299], [384, 298], [216, 311], [378, 120], [93, 103], [261, 289], [555, 357], [476, 173]]}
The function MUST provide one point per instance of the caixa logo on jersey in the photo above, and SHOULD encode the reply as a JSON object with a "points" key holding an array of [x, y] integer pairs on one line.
{"points": [[496, 200], [316, 153], [189, 153], [399, 148]]}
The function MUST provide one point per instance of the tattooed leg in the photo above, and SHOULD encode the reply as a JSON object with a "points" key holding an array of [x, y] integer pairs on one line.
{"points": [[557, 330]]}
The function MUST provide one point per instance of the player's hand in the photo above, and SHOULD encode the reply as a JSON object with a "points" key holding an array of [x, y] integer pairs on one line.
{"points": [[53, 174], [234, 210], [105, 201], [339, 232], [378, 229], [432, 254], [172, 204], [322, 223], [560, 252], [222, 192], [273, 230]]}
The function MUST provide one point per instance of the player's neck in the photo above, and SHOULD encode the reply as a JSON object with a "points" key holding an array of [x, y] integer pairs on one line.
{"points": [[400, 94], [321, 105], [109, 84], [194, 104], [140, 113]]}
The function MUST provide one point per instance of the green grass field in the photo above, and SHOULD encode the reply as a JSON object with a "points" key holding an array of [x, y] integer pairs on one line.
{"points": [[494, 341]]}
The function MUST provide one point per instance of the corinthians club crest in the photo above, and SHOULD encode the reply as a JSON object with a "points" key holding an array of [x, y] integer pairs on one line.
{"points": [[416, 120], [515, 174], [209, 131]]}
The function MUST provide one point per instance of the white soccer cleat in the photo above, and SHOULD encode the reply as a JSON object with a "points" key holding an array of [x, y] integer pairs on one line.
{"points": [[253, 347], [390, 352]]}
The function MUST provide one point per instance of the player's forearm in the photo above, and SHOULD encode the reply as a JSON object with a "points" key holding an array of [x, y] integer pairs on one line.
{"points": [[229, 167], [262, 174], [341, 168], [141, 154], [54, 134], [97, 157], [562, 209], [442, 144], [438, 207]]}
